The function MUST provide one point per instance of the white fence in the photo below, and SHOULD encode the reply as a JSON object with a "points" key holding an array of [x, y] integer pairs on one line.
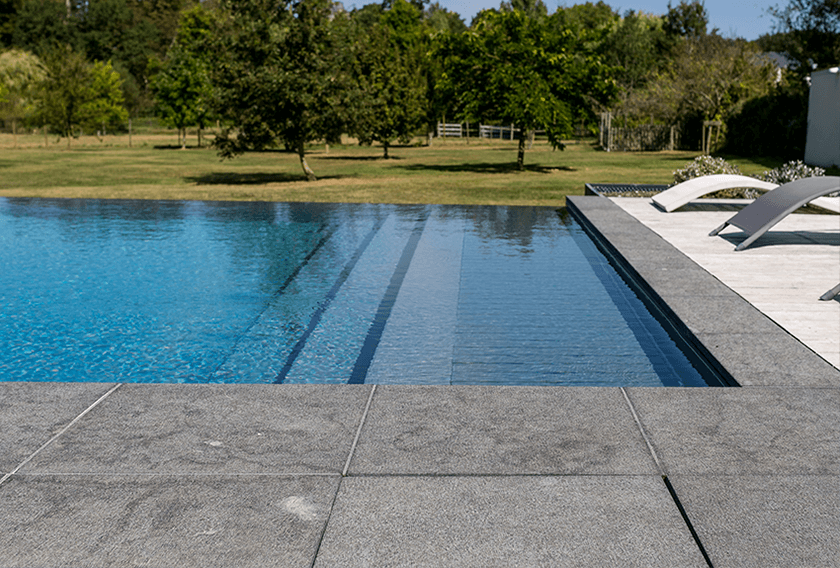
{"points": [[449, 130], [499, 132], [456, 130]]}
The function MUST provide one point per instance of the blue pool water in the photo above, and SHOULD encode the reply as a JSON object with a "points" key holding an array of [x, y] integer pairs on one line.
{"points": [[196, 292]]}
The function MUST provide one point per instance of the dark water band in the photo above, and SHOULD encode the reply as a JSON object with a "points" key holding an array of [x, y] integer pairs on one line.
{"points": [[324, 304], [374, 335]]}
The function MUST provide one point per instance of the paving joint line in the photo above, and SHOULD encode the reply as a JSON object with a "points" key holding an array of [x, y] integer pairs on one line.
{"points": [[60, 433], [671, 491], [358, 432]]}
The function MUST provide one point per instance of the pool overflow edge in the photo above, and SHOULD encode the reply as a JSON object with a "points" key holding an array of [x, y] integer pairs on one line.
{"points": [[712, 371]]}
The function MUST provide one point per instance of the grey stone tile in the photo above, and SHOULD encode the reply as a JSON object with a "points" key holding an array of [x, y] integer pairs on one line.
{"points": [[770, 359], [500, 430], [746, 431], [665, 280], [200, 521], [212, 428], [663, 256], [506, 521], [757, 521], [32, 413], [590, 203], [719, 314]]}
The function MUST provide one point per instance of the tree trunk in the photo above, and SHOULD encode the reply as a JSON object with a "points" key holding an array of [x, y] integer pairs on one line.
{"points": [[520, 158], [129, 132], [199, 136], [183, 136], [14, 130], [385, 148], [310, 175]]}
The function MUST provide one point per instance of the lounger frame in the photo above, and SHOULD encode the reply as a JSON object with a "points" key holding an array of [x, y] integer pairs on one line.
{"points": [[762, 214], [682, 193]]}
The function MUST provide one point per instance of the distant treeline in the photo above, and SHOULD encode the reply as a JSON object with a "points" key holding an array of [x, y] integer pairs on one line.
{"points": [[280, 72]]}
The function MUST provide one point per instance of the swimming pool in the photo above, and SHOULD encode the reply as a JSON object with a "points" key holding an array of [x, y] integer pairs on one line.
{"points": [[197, 292]]}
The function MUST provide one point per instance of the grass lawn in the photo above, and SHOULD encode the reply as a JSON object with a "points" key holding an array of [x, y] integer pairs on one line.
{"points": [[450, 171]]}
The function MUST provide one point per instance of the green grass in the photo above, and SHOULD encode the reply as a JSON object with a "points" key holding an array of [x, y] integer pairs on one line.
{"points": [[451, 171]]}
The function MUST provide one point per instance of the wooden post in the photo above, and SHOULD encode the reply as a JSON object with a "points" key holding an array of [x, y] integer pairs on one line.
{"points": [[468, 132]]}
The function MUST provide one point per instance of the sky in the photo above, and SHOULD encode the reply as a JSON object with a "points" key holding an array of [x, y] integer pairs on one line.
{"points": [[734, 18]]}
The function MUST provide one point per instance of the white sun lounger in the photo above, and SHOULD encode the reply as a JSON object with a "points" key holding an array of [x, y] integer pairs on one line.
{"points": [[677, 196], [687, 191], [759, 216]]}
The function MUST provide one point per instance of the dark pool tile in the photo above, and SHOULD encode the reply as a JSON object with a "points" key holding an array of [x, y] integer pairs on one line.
{"points": [[499, 430], [760, 521], [199, 521], [506, 521], [743, 431], [212, 429], [32, 413]]}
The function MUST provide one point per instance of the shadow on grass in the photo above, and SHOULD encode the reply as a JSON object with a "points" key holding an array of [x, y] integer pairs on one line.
{"points": [[353, 158], [485, 168], [229, 178]]}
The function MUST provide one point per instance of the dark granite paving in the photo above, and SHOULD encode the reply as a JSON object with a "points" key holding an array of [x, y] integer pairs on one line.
{"points": [[99, 475]]}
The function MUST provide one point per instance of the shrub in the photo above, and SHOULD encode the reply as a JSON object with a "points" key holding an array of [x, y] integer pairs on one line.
{"points": [[791, 171], [704, 166]]}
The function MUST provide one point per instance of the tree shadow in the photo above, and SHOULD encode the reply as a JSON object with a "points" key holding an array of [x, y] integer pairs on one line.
{"points": [[353, 158], [231, 178], [486, 168]]}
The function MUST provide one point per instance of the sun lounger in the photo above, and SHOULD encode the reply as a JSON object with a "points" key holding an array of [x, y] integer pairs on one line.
{"points": [[759, 216], [677, 196], [831, 294]]}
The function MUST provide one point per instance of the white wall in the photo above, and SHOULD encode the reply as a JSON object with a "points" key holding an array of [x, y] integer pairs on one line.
{"points": [[822, 147]]}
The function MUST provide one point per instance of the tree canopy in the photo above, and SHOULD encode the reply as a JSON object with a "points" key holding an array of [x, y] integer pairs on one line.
{"points": [[282, 73], [76, 94], [390, 88], [182, 87], [521, 70]]}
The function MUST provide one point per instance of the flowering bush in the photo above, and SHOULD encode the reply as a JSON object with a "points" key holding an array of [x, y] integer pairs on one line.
{"points": [[704, 166], [791, 171]]}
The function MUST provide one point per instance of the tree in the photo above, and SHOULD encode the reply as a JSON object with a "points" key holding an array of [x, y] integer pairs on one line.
{"points": [[281, 74], [76, 94], [809, 33], [524, 71], [391, 88], [441, 20], [41, 25], [182, 88], [687, 19], [8, 15], [20, 74], [709, 78]]}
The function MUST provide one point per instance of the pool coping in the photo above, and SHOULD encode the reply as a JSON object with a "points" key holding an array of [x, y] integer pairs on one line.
{"points": [[742, 344]]}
